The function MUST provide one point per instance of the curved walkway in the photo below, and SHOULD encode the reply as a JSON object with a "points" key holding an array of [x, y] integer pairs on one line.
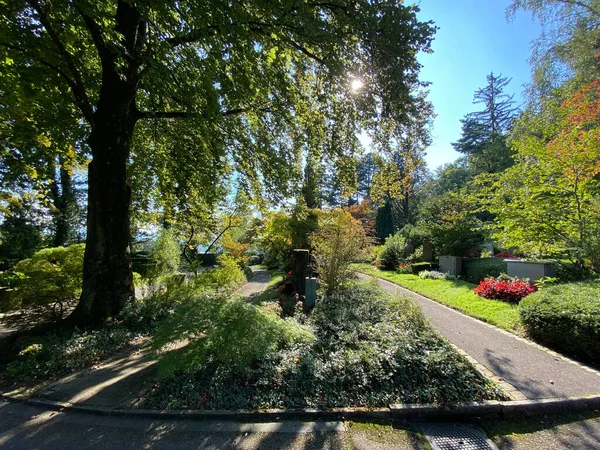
{"points": [[256, 285], [535, 371]]}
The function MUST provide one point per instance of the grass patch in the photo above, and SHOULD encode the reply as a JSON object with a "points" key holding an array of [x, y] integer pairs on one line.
{"points": [[456, 294], [359, 347]]}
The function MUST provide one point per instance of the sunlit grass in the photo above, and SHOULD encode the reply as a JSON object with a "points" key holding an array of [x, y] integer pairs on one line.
{"points": [[456, 294]]}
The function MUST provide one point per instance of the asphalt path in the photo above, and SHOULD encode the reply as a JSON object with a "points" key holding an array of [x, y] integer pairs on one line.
{"points": [[534, 371]]}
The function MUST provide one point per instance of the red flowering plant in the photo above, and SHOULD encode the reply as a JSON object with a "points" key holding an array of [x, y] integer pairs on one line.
{"points": [[504, 288]]}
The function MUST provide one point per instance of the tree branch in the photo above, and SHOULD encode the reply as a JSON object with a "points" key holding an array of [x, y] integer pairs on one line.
{"points": [[77, 85], [191, 115], [72, 85], [96, 34], [580, 4], [306, 52], [255, 25]]}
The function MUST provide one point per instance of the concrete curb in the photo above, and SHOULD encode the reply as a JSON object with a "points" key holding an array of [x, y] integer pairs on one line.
{"points": [[488, 409]]}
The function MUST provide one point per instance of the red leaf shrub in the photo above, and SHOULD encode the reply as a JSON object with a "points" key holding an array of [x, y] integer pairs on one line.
{"points": [[505, 255], [404, 268], [504, 288]]}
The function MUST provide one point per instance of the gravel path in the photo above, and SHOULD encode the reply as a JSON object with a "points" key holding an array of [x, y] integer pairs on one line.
{"points": [[534, 371]]}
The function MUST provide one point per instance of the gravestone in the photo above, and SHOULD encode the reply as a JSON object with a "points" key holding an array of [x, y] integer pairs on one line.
{"points": [[534, 270], [310, 299], [451, 265], [427, 251], [300, 270], [409, 248]]}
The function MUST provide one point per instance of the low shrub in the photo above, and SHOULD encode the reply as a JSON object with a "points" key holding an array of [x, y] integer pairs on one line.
{"points": [[486, 253], [504, 288], [478, 269], [434, 275], [223, 333], [227, 275], [417, 268], [392, 253], [569, 272], [566, 317]]}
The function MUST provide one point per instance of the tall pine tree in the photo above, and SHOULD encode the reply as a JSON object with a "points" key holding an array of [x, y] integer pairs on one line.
{"points": [[484, 132]]}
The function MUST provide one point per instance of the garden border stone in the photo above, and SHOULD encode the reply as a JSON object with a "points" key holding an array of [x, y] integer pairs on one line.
{"points": [[466, 411]]}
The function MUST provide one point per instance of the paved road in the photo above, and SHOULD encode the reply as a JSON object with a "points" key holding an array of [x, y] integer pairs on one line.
{"points": [[534, 372], [256, 285], [29, 427]]}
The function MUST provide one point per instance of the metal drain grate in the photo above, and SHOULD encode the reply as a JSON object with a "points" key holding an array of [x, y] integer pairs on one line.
{"points": [[456, 437]]}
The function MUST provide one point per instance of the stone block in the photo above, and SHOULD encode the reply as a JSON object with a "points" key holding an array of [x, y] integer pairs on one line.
{"points": [[451, 265], [534, 270]]}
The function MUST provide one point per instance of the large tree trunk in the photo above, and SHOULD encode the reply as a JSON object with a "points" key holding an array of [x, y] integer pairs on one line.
{"points": [[107, 275]]}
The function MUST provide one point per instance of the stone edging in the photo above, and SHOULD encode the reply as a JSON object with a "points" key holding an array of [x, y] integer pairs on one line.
{"points": [[488, 409]]}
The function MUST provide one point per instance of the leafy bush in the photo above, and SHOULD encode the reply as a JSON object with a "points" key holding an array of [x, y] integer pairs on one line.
{"points": [[339, 241], [478, 269], [223, 333], [392, 253], [50, 276], [566, 317], [360, 348], [166, 254], [504, 288], [570, 272], [434, 275], [226, 276], [485, 253]]}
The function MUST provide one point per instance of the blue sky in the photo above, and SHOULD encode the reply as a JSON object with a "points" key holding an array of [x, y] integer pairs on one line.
{"points": [[474, 39]]}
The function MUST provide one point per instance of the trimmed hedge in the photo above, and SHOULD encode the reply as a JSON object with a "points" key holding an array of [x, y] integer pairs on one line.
{"points": [[565, 317], [421, 266], [478, 269]]}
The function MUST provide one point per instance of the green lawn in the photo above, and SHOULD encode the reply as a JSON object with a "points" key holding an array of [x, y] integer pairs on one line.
{"points": [[455, 294]]}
